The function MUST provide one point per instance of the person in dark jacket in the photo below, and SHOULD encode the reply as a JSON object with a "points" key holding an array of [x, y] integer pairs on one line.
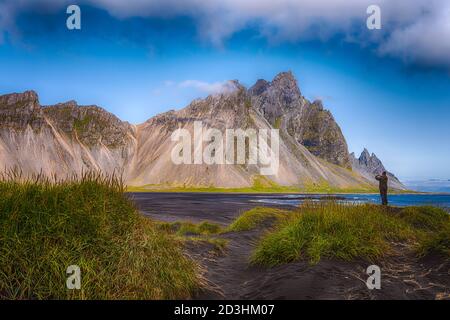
{"points": [[383, 180]]}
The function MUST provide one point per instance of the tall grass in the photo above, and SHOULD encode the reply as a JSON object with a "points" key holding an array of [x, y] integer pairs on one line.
{"points": [[333, 230], [47, 225], [432, 226]]}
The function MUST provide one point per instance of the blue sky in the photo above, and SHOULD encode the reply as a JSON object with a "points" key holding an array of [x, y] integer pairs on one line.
{"points": [[388, 91]]}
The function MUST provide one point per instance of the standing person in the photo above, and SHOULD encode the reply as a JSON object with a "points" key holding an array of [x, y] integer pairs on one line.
{"points": [[383, 179]]}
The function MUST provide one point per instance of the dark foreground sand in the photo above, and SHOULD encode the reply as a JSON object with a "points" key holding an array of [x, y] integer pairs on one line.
{"points": [[230, 276]]}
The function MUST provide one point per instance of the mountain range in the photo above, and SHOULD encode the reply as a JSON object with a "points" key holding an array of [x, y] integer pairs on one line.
{"points": [[429, 185], [66, 139]]}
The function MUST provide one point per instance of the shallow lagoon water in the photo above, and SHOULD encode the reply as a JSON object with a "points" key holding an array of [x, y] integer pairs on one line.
{"points": [[439, 200]]}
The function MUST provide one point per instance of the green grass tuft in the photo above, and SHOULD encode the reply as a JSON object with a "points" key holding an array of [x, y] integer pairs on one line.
{"points": [[255, 217], [333, 230], [185, 228], [325, 187], [46, 226], [260, 185], [426, 218], [219, 244], [432, 226]]}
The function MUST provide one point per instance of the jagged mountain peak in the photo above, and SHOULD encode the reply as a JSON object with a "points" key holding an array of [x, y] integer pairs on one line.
{"points": [[365, 153], [282, 104], [283, 91], [14, 98], [319, 104], [27, 102], [21, 110], [374, 157], [371, 160], [286, 84], [365, 157], [259, 87], [369, 165], [285, 80], [285, 76]]}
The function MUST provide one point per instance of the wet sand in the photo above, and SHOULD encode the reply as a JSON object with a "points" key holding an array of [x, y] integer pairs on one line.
{"points": [[221, 208], [230, 275]]}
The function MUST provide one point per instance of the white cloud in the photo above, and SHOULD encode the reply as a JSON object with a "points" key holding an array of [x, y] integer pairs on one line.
{"points": [[426, 41], [416, 31], [209, 87], [5, 20]]}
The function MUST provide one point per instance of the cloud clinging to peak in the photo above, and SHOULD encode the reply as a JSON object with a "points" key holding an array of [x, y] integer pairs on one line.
{"points": [[209, 87]]}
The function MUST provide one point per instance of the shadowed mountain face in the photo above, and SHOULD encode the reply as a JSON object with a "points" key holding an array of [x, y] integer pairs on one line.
{"points": [[282, 104], [66, 138], [368, 165]]}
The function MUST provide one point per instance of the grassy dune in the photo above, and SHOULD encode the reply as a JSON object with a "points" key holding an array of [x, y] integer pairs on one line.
{"points": [[47, 226], [333, 230], [255, 217]]}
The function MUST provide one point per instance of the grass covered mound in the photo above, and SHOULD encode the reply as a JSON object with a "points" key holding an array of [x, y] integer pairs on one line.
{"points": [[197, 234], [46, 227], [255, 217], [186, 228], [334, 230]]}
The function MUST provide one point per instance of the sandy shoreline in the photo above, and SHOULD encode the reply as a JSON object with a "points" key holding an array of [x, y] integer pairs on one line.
{"points": [[217, 208]]}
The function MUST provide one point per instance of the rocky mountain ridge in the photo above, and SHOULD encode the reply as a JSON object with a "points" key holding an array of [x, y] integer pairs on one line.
{"points": [[66, 138], [282, 104]]}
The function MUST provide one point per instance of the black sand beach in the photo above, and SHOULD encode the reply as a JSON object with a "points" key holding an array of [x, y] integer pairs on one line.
{"points": [[230, 276], [220, 208]]}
